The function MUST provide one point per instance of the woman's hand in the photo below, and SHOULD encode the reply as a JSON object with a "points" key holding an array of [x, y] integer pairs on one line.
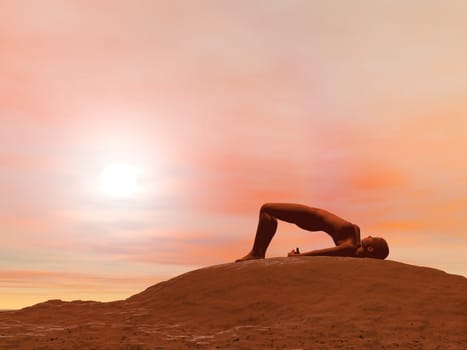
{"points": [[294, 252]]}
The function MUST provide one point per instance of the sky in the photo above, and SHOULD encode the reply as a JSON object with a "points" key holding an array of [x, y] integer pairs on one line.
{"points": [[357, 107]]}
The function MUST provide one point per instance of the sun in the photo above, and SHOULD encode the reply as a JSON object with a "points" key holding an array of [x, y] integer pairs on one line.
{"points": [[118, 180]]}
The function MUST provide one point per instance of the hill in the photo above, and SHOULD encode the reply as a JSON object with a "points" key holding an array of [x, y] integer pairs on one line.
{"points": [[278, 303]]}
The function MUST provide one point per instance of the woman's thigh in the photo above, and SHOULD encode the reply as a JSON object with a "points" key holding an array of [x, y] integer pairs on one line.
{"points": [[290, 212]]}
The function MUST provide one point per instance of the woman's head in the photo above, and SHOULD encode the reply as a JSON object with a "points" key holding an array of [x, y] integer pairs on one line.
{"points": [[374, 247]]}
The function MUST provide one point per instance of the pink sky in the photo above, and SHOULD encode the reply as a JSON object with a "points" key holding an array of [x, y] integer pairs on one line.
{"points": [[356, 107]]}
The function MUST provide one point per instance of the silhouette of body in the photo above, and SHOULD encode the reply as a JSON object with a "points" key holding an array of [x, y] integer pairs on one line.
{"points": [[345, 235]]}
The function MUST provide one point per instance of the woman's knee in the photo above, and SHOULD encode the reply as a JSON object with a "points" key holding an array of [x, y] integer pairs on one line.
{"points": [[267, 208]]}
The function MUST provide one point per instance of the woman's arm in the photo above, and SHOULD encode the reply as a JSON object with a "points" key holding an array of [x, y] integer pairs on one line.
{"points": [[340, 250]]}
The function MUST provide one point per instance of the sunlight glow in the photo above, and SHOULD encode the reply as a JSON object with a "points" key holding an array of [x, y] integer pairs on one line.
{"points": [[118, 180]]}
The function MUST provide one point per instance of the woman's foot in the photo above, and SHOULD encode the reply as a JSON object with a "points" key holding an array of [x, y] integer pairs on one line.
{"points": [[249, 256]]}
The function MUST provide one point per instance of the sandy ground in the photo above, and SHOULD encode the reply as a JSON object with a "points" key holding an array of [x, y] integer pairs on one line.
{"points": [[279, 303]]}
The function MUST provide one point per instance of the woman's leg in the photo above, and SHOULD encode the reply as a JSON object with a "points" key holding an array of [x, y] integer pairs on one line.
{"points": [[267, 225], [266, 229]]}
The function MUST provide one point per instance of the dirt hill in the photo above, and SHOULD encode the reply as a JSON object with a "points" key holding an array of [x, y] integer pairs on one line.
{"points": [[278, 303]]}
